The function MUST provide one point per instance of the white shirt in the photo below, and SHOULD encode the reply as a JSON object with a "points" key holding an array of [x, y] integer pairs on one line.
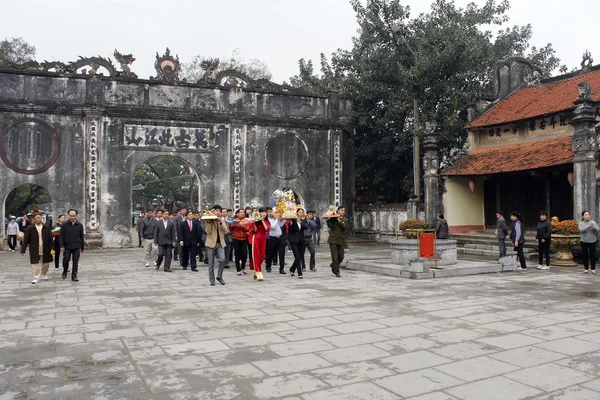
{"points": [[275, 230]]}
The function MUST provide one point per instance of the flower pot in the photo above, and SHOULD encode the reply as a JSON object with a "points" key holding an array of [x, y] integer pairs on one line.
{"points": [[563, 245], [411, 233]]}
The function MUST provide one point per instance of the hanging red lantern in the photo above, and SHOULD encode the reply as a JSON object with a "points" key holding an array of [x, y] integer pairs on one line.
{"points": [[472, 185], [570, 178]]}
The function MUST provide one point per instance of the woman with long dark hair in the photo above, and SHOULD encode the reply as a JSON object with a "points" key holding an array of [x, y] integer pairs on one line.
{"points": [[259, 245], [588, 230], [517, 237]]}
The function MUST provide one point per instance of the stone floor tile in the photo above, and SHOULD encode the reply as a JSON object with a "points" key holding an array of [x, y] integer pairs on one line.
{"points": [[288, 385], [254, 340], [573, 393], [292, 364], [510, 341], [404, 331], [551, 332], [205, 346], [454, 336], [477, 368], [307, 334], [463, 351], [357, 391], [356, 326], [314, 322], [594, 385], [147, 353], [406, 345], [353, 354], [570, 346], [353, 339], [497, 388], [414, 361], [403, 320], [351, 373], [300, 347], [160, 383], [588, 363], [550, 377], [418, 382], [528, 356]]}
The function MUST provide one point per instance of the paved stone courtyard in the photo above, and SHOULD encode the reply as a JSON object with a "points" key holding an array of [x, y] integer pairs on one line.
{"points": [[129, 332]]}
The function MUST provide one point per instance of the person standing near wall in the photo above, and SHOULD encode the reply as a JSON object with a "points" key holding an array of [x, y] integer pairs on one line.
{"points": [[147, 230], [177, 221], [588, 230], [39, 239], [240, 228], [296, 239], [309, 244], [12, 230], [273, 240], [337, 239], [544, 238], [441, 227], [71, 244], [138, 227], [517, 237], [189, 240], [317, 234], [56, 236], [501, 232]]}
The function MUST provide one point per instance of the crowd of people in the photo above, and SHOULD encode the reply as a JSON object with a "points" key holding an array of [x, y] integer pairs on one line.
{"points": [[46, 243], [257, 238]]}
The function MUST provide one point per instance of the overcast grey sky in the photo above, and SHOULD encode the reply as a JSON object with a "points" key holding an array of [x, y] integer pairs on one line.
{"points": [[279, 32]]}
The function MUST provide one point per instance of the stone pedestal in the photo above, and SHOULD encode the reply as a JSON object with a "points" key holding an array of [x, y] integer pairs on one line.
{"points": [[93, 240], [405, 251]]}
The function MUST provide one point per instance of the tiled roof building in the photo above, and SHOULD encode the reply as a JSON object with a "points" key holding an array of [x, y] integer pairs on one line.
{"points": [[520, 149]]}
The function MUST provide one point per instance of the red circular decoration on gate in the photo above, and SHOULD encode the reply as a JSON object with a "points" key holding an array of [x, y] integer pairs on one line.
{"points": [[53, 134]]}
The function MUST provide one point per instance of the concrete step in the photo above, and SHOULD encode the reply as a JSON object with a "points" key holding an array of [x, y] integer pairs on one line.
{"points": [[462, 242], [492, 248], [489, 254]]}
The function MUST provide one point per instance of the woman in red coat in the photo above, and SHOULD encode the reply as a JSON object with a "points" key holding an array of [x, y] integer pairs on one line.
{"points": [[259, 245]]}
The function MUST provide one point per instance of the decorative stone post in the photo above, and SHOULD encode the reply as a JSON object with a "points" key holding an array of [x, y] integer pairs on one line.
{"points": [[430, 176], [93, 237], [584, 147]]}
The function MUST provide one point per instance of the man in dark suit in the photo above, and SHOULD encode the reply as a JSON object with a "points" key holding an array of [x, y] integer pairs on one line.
{"points": [[165, 238], [189, 237], [296, 240], [179, 217]]}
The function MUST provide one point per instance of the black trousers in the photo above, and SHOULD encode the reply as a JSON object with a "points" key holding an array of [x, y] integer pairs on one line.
{"points": [[56, 253], [337, 256], [164, 251], [297, 252], [12, 241], [310, 246], [520, 255], [188, 257], [280, 254], [272, 250], [589, 254], [544, 251], [76, 253], [240, 247]]}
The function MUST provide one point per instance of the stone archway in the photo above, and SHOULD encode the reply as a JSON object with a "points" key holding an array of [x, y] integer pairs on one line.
{"points": [[26, 197], [165, 182]]}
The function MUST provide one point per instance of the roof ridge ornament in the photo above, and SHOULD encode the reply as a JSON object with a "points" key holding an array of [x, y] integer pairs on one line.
{"points": [[167, 68], [585, 91], [587, 61], [124, 61]]}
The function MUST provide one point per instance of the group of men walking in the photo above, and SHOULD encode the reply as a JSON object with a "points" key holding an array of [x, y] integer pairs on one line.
{"points": [[67, 237]]}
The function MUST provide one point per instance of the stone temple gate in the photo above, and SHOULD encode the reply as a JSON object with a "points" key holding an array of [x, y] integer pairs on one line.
{"points": [[81, 134]]}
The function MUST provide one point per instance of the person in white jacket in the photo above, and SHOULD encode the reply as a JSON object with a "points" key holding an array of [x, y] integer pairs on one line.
{"points": [[12, 230]]}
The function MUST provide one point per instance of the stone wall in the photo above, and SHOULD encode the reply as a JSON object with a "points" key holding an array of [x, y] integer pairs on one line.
{"points": [[82, 137], [379, 221]]}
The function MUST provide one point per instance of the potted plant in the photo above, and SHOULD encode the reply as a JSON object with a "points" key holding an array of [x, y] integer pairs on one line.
{"points": [[565, 235], [411, 228]]}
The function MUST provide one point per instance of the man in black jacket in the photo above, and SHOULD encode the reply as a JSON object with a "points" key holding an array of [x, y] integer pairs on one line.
{"points": [[189, 239], [544, 238], [296, 239], [71, 243], [165, 237]]}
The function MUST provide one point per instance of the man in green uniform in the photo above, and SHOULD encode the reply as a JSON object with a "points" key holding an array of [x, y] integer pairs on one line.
{"points": [[337, 239]]}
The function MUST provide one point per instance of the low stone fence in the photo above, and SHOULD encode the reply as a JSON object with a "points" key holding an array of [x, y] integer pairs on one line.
{"points": [[379, 221]]}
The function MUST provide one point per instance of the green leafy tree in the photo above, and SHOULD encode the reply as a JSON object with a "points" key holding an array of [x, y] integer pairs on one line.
{"points": [[253, 68], [167, 181], [16, 50], [25, 198], [443, 59]]}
